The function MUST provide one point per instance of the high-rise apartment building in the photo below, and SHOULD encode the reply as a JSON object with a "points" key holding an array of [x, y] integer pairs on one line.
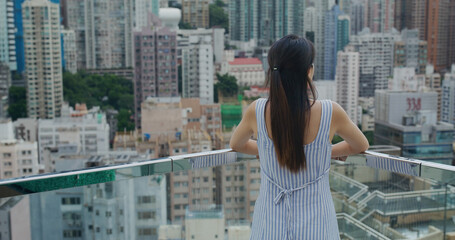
{"points": [[309, 23], [19, 36], [73, 12], [155, 61], [196, 13], [347, 81], [376, 60], [452, 32], [43, 58], [197, 69], [415, 12], [7, 34], [69, 50], [5, 79], [217, 35], [379, 15], [437, 36], [357, 15], [319, 37], [142, 8], [336, 34], [108, 38], [265, 21], [448, 97], [410, 51]]}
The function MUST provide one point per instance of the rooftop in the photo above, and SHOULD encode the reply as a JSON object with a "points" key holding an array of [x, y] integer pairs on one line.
{"points": [[245, 61]]}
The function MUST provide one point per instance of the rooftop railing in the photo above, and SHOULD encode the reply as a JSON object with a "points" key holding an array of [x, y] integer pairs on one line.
{"points": [[211, 195]]}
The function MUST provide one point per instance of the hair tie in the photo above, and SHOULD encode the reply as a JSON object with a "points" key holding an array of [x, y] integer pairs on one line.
{"points": [[275, 68]]}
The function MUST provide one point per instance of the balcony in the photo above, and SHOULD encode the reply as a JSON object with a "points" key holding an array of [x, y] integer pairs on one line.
{"points": [[211, 195]]}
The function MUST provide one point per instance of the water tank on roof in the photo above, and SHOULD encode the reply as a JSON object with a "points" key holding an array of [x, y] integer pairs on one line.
{"points": [[170, 17]]}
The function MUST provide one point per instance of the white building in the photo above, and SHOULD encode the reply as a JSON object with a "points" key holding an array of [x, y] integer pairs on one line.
{"points": [[217, 39], [326, 89], [69, 50], [376, 60], [141, 11], [204, 222], [89, 131], [43, 64], [247, 71], [405, 79], [347, 81], [309, 20], [7, 34], [26, 129], [17, 158], [448, 97], [197, 69]]}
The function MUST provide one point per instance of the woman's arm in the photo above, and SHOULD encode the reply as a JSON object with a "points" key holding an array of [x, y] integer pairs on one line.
{"points": [[354, 140], [241, 139]]}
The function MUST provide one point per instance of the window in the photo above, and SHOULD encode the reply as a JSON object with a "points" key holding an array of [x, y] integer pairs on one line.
{"points": [[146, 215], [72, 233], [71, 201]]}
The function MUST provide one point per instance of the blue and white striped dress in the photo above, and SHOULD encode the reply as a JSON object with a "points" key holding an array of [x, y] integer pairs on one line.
{"points": [[295, 205]]}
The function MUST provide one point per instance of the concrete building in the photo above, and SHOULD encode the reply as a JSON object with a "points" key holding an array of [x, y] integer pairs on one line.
{"points": [[26, 129], [197, 69], [337, 29], [173, 120], [309, 23], [448, 97], [108, 38], [437, 36], [15, 215], [409, 120], [217, 35], [376, 60], [196, 13], [73, 14], [17, 158], [347, 82], [247, 71], [326, 89], [5, 79], [88, 129], [142, 8], [155, 74], [379, 15], [7, 34], [357, 16], [451, 33], [410, 51], [69, 50], [43, 64]]}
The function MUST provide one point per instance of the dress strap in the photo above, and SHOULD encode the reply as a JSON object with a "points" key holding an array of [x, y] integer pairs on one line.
{"points": [[326, 118], [260, 118]]}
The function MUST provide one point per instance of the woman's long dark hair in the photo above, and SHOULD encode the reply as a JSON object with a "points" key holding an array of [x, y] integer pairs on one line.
{"points": [[290, 59]]}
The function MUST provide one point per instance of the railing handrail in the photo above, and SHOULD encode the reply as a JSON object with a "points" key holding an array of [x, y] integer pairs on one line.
{"points": [[171, 160]]}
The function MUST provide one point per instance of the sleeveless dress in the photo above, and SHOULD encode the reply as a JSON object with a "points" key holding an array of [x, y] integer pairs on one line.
{"points": [[295, 205]]}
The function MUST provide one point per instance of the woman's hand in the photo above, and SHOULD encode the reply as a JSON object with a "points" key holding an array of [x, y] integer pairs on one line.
{"points": [[241, 139]]}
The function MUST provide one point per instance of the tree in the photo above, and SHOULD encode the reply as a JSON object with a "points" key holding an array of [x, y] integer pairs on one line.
{"points": [[107, 91], [17, 102], [217, 16], [227, 85], [185, 25]]}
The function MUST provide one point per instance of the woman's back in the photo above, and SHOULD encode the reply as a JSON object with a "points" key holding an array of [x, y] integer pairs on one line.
{"points": [[295, 205]]}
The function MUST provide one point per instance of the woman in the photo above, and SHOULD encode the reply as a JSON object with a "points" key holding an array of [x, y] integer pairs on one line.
{"points": [[294, 133]]}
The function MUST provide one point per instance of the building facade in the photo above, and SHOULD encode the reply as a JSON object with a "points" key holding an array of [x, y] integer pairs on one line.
{"points": [[410, 51], [69, 50], [247, 71], [197, 69], [155, 73], [43, 64], [376, 60], [7, 34], [347, 82], [196, 13], [448, 97], [409, 120]]}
